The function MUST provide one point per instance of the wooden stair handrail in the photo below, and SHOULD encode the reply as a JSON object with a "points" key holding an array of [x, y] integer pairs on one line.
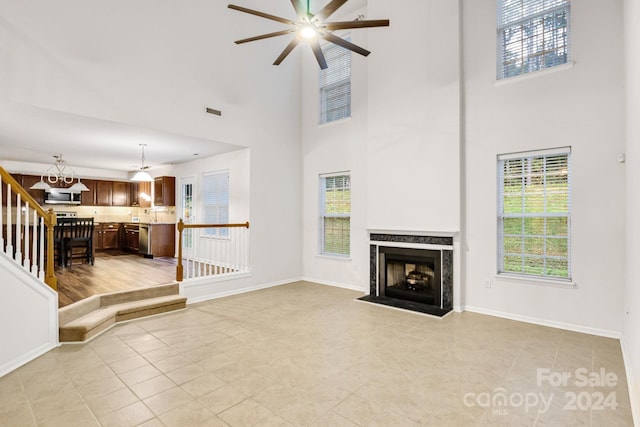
{"points": [[182, 226], [50, 221]]}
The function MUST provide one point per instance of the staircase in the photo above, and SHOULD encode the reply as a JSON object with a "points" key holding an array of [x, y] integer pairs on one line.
{"points": [[83, 320]]}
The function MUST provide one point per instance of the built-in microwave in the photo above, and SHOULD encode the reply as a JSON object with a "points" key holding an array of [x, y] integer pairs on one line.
{"points": [[61, 197]]}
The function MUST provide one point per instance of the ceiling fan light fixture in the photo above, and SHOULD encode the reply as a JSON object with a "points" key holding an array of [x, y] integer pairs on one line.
{"points": [[308, 32], [312, 27]]}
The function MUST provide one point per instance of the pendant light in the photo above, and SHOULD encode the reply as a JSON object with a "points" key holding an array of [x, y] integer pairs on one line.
{"points": [[59, 172], [142, 175]]}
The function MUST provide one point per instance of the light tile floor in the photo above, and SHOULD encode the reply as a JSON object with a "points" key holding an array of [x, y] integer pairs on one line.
{"points": [[309, 355]]}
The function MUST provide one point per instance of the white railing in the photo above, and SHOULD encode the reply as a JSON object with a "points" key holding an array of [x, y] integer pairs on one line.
{"points": [[208, 250], [27, 230]]}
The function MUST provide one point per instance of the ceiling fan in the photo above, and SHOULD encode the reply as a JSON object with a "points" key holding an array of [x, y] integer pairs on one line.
{"points": [[311, 27]]}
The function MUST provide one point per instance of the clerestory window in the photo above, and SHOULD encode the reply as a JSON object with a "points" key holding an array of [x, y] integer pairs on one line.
{"points": [[532, 35]]}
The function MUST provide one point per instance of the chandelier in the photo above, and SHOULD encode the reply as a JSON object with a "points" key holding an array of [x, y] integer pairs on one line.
{"points": [[59, 173]]}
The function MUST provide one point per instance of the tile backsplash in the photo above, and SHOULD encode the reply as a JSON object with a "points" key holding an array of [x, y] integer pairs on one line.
{"points": [[157, 214]]}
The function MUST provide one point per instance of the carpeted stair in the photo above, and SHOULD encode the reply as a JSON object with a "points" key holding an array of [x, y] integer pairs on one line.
{"points": [[85, 319]]}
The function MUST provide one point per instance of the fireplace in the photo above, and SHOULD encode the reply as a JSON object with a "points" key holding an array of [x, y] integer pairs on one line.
{"points": [[413, 272], [410, 274]]}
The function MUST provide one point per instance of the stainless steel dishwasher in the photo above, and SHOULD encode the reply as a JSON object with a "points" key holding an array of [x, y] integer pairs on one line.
{"points": [[145, 241]]}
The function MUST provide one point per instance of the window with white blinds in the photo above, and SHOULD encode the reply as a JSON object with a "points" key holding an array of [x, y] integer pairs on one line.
{"points": [[215, 196], [532, 35], [335, 84], [534, 213], [335, 214]]}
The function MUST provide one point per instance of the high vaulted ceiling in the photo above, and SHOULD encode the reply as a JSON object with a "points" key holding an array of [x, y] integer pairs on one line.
{"points": [[101, 47]]}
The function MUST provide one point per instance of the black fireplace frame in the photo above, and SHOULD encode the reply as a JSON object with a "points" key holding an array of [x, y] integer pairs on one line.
{"points": [[441, 244]]}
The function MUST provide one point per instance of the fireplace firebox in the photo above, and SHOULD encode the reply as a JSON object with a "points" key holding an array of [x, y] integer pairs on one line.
{"points": [[412, 272]]}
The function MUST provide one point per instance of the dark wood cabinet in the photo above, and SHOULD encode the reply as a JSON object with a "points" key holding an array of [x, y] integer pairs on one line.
{"points": [[104, 193], [164, 191], [120, 194], [131, 238], [27, 182], [88, 198], [162, 239], [106, 236], [140, 194]]}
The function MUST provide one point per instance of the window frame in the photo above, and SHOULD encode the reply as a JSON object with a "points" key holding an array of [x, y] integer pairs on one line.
{"points": [[323, 215], [547, 236], [539, 53], [333, 85], [217, 233]]}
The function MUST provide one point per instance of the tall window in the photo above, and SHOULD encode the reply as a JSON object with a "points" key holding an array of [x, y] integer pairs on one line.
{"points": [[532, 35], [335, 214], [215, 190], [187, 211], [534, 213], [335, 84]]}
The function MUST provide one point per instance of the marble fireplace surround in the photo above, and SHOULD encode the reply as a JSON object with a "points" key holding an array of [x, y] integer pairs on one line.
{"points": [[445, 242]]}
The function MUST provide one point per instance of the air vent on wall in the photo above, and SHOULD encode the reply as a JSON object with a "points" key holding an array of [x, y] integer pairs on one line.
{"points": [[213, 111]]}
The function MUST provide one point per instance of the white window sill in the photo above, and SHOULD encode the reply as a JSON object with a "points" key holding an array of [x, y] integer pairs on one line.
{"points": [[334, 122], [537, 281], [343, 258], [534, 74]]}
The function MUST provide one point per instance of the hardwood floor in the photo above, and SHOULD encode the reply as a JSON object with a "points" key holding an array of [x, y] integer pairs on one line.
{"points": [[112, 271]]}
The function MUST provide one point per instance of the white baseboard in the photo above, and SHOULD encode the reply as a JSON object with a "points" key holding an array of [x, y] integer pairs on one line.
{"points": [[336, 284], [232, 292], [631, 382], [544, 322], [26, 358]]}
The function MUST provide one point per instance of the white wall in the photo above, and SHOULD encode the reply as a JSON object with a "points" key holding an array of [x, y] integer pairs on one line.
{"points": [[401, 144], [631, 305], [30, 327], [157, 71], [335, 147], [413, 145], [238, 163], [582, 107]]}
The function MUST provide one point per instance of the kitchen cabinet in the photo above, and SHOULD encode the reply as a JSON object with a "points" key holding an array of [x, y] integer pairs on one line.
{"points": [[106, 236], [120, 193], [112, 193], [136, 197], [164, 191], [157, 240], [27, 182], [104, 193], [131, 238], [162, 239], [88, 198]]}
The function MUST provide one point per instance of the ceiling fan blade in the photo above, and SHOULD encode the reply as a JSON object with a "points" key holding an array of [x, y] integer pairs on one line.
{"points": [[261, 14], [287, 50], [317, 51], [328, 10], [332, 26], [345, 44], [265, 36], [300, 10]]}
